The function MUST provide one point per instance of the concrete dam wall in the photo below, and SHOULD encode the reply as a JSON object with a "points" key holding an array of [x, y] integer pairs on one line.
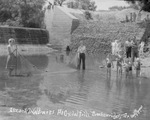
{"points": [[24, 35], [60, 24]]}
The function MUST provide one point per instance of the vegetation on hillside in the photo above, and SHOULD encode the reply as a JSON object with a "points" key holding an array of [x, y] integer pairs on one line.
{"points": [[26, 13], [102, 30], [134, 6], [82, 4]]}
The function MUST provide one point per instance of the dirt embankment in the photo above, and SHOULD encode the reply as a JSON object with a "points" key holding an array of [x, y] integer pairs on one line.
{"points": [[98, 33]]}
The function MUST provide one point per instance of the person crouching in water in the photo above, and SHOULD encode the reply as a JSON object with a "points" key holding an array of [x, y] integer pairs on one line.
{"points": [[81, 55], [137, 66], [119, 64], [109, 64], [11, 62]]}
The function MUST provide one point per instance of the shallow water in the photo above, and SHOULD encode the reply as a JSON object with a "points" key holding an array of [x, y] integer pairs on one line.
{"points": [[63, 90]]}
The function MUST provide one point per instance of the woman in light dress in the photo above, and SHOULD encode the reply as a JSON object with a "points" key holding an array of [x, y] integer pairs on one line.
{"points": [[141, 49], [115, 47], [11, 59]]}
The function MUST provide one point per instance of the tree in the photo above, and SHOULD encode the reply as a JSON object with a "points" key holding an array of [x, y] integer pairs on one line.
{"points": [[59, 2], [83, 4], [144, 4], [26, 13], [8, 10], [31, 13], [92, 6], [74, 5]]}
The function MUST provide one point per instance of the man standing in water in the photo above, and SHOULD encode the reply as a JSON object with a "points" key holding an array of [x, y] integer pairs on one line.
{"points": [[128, 47], [81, 55], [135, 52]]}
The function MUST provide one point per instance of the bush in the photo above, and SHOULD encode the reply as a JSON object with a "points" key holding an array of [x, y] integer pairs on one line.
{"points": [[88, 15]]}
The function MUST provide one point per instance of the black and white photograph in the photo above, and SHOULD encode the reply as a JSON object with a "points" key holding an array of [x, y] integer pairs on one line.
{"points": [[74, 59]]}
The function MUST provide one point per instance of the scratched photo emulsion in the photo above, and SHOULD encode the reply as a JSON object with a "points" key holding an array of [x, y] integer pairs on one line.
{"points": [[74, 59]]}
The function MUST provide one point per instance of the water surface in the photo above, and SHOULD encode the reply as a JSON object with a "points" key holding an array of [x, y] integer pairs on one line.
{"points": [[60, 86]]}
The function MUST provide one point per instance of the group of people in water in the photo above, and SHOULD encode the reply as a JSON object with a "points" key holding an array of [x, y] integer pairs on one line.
{"points": [[11, 62], [127, 55], [79, 58]]}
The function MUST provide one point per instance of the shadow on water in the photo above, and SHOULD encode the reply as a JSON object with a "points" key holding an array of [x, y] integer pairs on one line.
{"points": [[108, 84], [81, 95]]}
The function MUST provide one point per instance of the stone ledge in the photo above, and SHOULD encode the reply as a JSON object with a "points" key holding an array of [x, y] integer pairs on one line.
{"points": [[28, 50]]}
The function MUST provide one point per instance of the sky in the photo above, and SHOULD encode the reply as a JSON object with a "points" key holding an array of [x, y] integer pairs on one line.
{"points": [[105, 4]]}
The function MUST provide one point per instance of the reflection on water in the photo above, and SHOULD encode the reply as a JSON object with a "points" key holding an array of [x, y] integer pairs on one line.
{"points": [[21, 92], [40, 61], [65, 87]]}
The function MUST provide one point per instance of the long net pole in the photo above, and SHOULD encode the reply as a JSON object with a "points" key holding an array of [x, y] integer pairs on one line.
{"points": [[16, 61]]}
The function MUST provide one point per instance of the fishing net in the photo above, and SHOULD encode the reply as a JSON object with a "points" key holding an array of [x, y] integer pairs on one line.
{"points": [[22, 68], [25, 67], [74, 62]]}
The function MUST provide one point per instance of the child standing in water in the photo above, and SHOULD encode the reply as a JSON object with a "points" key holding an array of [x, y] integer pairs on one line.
{"points": [[109, 64], [119, 64], [137, 66], [126, 65], [11, 62]]}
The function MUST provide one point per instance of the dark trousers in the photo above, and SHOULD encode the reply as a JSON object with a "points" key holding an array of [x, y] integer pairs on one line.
{"points": [[128, 52], [135, 54], [81, 59]]}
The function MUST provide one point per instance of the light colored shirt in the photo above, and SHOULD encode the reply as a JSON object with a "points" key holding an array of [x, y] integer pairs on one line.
{"points": [[81, 49], [142, 45], [108, 60], [128, 44]]}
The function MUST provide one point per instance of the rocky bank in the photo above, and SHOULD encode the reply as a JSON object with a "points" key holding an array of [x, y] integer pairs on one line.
{"points": [[98, 33]]}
